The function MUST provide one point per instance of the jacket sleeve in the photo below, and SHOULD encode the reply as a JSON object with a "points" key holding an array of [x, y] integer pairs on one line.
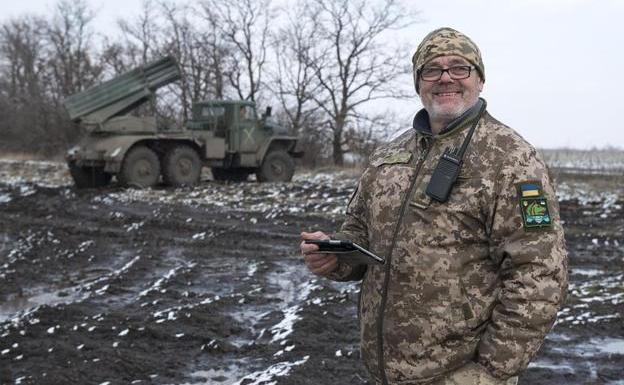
{"points": [[354, 228], [533, 269]]}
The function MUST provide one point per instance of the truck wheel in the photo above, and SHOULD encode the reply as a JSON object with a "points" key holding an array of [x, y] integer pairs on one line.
{"points": [[229, 174], [140, 168], [277, 166], [89, 177], [182, 166]]}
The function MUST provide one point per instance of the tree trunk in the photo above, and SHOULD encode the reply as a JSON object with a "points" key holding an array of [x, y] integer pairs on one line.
{"points": [[337, 148]]}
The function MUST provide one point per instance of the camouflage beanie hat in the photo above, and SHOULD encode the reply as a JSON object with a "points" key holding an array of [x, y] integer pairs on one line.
{"points": [[446, 41]]}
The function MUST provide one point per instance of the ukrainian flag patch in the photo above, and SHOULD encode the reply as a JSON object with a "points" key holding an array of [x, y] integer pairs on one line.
{"points": [[530, 189], [533, 205]]}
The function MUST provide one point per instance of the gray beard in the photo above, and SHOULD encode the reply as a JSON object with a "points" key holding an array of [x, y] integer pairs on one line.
{"points": [[436, 113]]}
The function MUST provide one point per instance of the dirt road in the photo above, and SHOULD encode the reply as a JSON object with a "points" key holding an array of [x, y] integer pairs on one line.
{"points": [[205, 285]]}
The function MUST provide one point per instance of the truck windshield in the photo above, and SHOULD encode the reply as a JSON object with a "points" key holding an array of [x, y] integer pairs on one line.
{"points": [[212, 112], [247, 113]]}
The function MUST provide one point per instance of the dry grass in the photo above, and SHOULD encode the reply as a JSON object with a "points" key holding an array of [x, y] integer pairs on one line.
{"points": [[16, 155], [596, 183]]}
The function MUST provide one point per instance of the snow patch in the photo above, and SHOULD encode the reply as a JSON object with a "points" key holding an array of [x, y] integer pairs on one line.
{"points": [[285, 327], [5, 198], [267, 376], [157, 286]]}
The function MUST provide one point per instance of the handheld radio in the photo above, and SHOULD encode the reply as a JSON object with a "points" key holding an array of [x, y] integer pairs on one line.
{"points": [[445, 174]]}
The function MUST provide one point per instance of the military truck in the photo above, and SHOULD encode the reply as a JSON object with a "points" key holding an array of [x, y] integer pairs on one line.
{"points": [[226, 135]]}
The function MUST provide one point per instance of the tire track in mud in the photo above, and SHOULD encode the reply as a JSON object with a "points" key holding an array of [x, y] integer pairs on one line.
{"points": [[205, 286], [140, 275]]}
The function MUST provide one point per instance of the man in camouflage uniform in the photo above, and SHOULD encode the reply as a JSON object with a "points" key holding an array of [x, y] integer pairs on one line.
{"points": [[471, 285]]}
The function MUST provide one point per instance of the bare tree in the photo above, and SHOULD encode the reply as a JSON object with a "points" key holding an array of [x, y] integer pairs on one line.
{"points": [[22, 92], [329, 64], [351, 65], [142, 34], [293, 79], [22, 64], [219, 51], [73, 67], [244, 27], [179, 42], [44, 61], [176, 29]]}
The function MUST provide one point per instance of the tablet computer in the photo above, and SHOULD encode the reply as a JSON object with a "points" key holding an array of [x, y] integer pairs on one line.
{"points": [[347, 251]]}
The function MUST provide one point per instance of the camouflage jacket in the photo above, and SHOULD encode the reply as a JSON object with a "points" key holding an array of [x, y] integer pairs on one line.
{"points": [[474, 278]]}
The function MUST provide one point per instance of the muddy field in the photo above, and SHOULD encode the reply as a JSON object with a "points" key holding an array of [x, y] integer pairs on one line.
{"points": [[205, 285]]}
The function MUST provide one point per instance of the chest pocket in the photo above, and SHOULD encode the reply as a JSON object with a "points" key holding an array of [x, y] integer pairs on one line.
{"points": [[392, 175], [386, 190], [466, 191], [458, 196], [462, 212], [464, 209]]}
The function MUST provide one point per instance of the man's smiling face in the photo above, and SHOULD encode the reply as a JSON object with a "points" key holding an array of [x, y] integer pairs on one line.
{"points": [[446, 99]]}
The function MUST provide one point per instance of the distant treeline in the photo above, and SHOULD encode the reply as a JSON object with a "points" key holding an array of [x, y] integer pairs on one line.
{"points": [[603, 161], [319, 63]]}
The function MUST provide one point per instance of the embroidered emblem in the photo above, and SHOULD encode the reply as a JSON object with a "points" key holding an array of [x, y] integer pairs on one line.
{"points": [[534, 206]]}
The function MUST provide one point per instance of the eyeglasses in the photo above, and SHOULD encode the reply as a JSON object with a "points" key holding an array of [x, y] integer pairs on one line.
{"points": [[435, 74]]}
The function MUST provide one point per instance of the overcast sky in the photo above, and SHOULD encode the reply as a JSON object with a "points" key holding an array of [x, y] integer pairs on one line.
{"points": [[551, 65]]}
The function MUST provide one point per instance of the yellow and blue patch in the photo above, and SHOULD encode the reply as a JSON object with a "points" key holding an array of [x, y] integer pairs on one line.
{"points": [[530, 190], [533, 206]]}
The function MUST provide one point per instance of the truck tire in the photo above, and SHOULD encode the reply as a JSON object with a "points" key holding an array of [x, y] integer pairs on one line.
{"points": [[89, 177], [140, 168], [229, 174], [277, 166], [182, 166]]}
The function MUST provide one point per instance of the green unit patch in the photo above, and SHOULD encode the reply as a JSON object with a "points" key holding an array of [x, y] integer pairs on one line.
{"points": [[533, 205], [535, 212]]}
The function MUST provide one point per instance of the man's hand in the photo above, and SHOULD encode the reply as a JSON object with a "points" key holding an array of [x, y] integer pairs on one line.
{"points": [[319, 263]]}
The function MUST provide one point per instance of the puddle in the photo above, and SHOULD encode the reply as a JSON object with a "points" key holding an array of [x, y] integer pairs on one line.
{"points": [[251, 315], [225, 376], [558, 337], [235, 375], [97, 284], [5, 243], [294, 283], [5, 198], [216, 272], [13, 306], [291, 286], [610, 345], [567, 346], [288, 285], [551, 366], [587, 272], [248, 317]]}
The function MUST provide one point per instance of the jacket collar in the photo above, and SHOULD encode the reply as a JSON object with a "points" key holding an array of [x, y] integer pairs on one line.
{"points": [[421, 121]]}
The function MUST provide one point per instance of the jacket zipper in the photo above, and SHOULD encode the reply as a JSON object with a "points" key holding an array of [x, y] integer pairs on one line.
{"points": [[384, 294]]}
